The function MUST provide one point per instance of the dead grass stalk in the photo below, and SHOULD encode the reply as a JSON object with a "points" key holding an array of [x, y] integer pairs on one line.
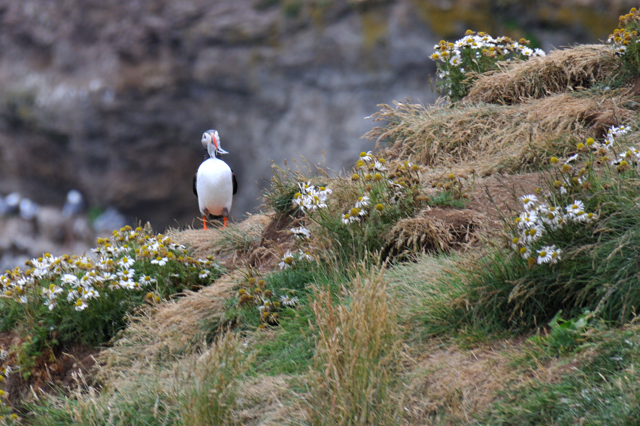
{"points": [[357, 359]]}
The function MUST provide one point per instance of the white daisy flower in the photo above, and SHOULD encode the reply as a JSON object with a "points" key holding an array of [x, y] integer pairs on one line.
{"points": [[146, 280], [526, 51], [555, 255], [574, 208], [126, 282], [301, 232], [126, 273], [72, 295], [288, 301], [368, 156], [52, 291], [160, 261], [533, 234], [550, 215], [544, 254], [126, 262], [204, 274], [51, 303], [305, 255], [81, 305], [287, 260], [525, 252], [529, 201], [581, 216], [90, 293], [527, 219], [362, 201]]}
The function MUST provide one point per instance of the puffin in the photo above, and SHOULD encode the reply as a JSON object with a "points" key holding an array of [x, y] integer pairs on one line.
{"points": [[214, 183]]}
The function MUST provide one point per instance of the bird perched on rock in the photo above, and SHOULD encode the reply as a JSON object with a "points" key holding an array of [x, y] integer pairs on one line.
{"points": [[214, 184]]}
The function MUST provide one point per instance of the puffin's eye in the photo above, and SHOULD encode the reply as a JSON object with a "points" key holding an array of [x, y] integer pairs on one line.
{"points": [[206, 136]]}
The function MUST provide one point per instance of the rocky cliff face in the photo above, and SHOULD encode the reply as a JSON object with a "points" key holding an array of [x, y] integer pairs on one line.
{"points": [[112, 97]]}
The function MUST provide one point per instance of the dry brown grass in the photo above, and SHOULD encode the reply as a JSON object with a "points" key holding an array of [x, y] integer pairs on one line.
{"points": [[434, 230], [450, 385], [357, 358], [171, 329], [232, 246], [560, 71], [489, 138], [269, 400]]}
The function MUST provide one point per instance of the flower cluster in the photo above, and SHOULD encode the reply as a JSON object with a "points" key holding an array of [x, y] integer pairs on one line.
{"points": [[478, 53], [538, 219], [125, 262], [289, 259], [371, 171], [256, 295], [357, 212], [574, 175], [483, 44], [310, 197], [625, 35]]}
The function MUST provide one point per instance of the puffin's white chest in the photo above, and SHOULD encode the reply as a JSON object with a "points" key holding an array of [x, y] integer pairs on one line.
{"points": [[214, 184]]}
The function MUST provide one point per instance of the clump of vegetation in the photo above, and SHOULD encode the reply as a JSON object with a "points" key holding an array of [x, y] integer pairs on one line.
{"points": [[357, 358], [569, 251], [459, 63], [626, 44], [64, 300]]}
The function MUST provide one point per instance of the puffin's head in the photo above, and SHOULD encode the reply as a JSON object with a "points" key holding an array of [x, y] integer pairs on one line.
{"points": [[211, 142]]}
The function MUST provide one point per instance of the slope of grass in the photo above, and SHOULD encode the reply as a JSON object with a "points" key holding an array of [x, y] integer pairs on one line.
{"points": [[355, 302]]}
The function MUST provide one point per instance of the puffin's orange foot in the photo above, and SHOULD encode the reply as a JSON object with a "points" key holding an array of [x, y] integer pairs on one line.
{"points": [[204, 222], [224, 225]]}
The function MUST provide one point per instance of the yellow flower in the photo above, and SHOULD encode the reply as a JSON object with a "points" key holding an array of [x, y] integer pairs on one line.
{"points": [[554, 160]]}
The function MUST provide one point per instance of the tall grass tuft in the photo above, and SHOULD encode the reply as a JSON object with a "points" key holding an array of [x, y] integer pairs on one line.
{"points": [[357, 359], [206, 391]]}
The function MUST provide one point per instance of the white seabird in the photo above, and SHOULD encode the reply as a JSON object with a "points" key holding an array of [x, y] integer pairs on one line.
{"points": [[214, 184]]}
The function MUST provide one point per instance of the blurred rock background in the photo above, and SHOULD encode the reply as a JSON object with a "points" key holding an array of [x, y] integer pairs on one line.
{"points": [[111, 98]]}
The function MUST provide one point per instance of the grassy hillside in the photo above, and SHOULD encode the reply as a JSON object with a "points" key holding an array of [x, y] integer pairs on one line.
{"points": [[480, 266]]}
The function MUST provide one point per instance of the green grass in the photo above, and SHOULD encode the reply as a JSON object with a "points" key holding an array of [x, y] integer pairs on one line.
{"points": [[287, 349], [604, 389]]}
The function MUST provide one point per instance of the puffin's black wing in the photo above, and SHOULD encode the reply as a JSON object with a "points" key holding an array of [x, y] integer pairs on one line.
{"points": [[235, 182], [195, 178]]}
